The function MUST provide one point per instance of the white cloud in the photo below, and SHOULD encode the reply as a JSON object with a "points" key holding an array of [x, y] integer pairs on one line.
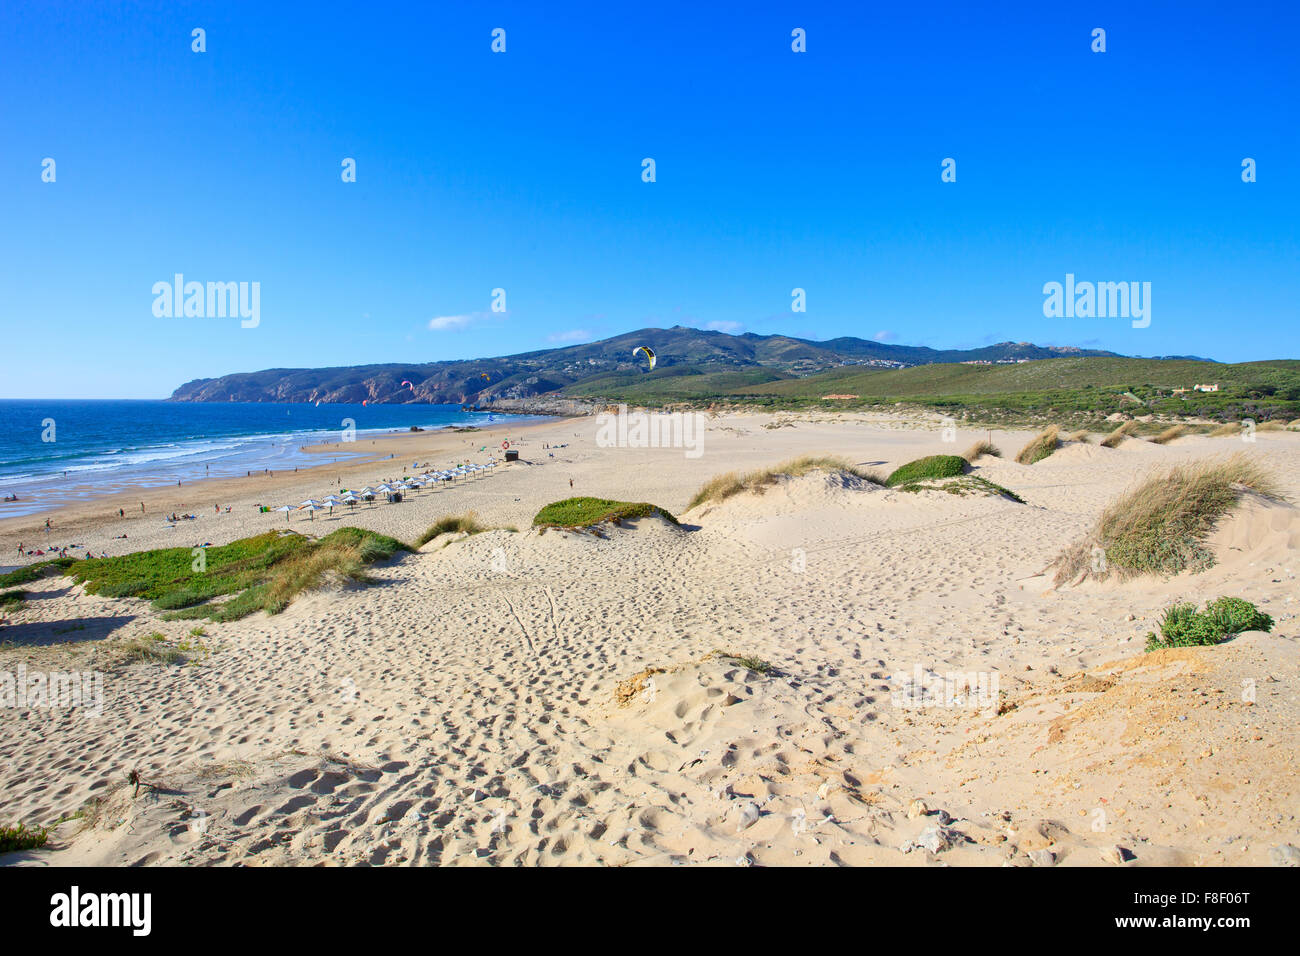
{"points": [[725, 326], [450, 323], [572, 335], [884, 336]]}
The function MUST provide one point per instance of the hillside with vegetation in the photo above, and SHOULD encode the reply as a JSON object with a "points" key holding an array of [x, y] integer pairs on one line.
{"points": [[1090, 387]]}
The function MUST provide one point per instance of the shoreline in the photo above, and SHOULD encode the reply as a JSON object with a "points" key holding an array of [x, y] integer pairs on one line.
{"points": [[84, 516]]}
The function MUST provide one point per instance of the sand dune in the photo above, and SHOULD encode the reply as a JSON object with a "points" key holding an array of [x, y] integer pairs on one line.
{"points": [[572, 698]]}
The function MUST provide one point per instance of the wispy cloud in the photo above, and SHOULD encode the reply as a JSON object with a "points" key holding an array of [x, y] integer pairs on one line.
{"points": [[884, 335], [452, 323], [572, 335]]}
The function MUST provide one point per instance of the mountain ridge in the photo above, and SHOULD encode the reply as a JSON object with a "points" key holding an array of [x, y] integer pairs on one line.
{"points": [[540, 372]]}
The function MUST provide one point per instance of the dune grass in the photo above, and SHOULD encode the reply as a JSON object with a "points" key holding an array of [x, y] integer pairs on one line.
{"points": [[1271, 426], [152, 648], [12, 598], [1224, 431], [1160, 526], [1082, 435], [1042, 445], [722, 487], [928, 468], [1183, 626], [1126, 430], [585, 512], [263, 573], [1169, 434], [981, 448], [458, 524]]}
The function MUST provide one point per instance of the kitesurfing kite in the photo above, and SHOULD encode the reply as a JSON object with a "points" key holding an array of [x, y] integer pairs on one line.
{"points": [[649, 353], [408, 383]]}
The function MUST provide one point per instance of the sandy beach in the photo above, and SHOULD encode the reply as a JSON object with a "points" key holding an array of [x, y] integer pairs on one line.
{"points": [[527, 698]]}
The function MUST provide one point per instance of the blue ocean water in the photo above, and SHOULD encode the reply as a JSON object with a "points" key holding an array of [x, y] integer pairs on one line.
{"points": [[63, 445]]}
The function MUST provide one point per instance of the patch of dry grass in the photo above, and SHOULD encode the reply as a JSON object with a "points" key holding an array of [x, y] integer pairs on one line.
{"points": [[722, 487], [1224, 431], [1040, 447], [1082, 435], [1271, 426], [1160, 526], [461, 524], [1126, 430], [1169, 434], [982, 448]]}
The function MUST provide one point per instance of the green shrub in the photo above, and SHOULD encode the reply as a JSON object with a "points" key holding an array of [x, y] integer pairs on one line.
{"points": [[21, 837], [585, 512], [31, 572], [935, 466], [1183, 626]]}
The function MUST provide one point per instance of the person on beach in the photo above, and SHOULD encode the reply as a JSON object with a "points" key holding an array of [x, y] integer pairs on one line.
{"points": [[570, 482], [121, 513], [142, 507]]}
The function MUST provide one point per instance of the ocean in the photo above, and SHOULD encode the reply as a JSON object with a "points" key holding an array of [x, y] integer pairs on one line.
{"points": [[55, 451]]}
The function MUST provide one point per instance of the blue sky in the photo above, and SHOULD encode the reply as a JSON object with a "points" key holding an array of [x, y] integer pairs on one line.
{"points": [[522, 171]]}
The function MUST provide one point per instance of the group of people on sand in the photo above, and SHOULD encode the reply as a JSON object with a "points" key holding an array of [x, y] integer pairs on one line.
{"points": [[60, 550]]}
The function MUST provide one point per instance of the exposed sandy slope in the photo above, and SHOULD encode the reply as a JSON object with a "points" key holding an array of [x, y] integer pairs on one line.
{"points": [[482, 703]]}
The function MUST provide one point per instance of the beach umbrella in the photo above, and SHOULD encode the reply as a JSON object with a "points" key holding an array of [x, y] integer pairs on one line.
{"points": [[286, 509], [308, 503], [311, 509]]}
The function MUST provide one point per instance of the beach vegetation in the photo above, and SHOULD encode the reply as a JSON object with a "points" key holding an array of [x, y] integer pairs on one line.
{"points": [[961, 486], [34, 572], [1169, 434], [749, 662], [1160, 526], [1042, 445], [721, 487], [264, 572], [466, 524], [22, 837], [1126, 430], [585, 512], [981, 448], [931, 467], [1183, 626]]}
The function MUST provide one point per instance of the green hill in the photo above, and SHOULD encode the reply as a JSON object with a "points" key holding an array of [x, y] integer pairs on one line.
{"points": [[1095, 386]]}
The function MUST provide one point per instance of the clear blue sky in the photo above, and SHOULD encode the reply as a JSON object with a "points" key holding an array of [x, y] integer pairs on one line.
{"points": [[522, 171]]}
